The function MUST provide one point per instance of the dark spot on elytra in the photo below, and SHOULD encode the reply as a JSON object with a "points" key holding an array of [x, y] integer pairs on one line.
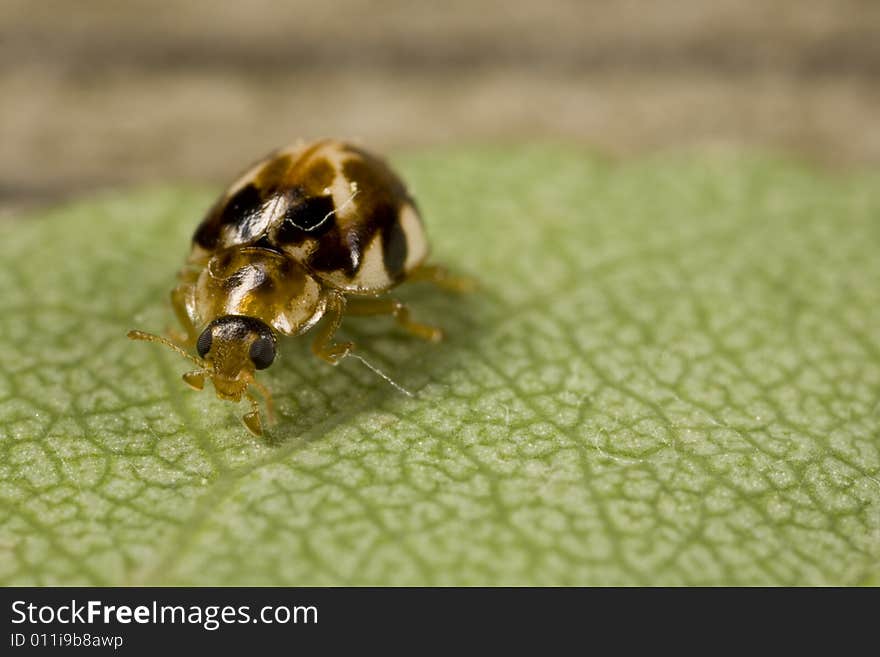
{"points": [[337, 252], [243, 205], [240, 210], [394, 248], [289, 233], [381, 194], [207, 233], [313, 214]]}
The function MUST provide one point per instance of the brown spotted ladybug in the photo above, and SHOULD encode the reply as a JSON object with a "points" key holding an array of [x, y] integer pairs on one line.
{"points": [[312, 232]]}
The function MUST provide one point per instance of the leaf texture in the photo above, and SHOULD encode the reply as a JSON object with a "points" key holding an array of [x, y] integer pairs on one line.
{"points": [[670, 374]]}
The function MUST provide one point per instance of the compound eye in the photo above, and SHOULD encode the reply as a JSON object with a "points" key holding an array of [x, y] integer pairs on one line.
{"points": [[203, 346], [262, 352]]}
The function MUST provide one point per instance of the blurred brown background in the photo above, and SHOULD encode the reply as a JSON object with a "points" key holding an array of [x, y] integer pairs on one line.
{"points": [[104, 93]]}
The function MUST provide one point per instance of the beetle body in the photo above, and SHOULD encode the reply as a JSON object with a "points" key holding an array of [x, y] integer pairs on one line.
{"points": [[313, 231]]}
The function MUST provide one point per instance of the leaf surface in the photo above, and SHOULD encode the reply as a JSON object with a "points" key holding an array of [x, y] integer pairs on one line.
{"points": [[669, 375]]}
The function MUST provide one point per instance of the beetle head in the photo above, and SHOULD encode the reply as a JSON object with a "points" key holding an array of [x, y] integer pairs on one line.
{"points": [[233, 347], [230, 349]]}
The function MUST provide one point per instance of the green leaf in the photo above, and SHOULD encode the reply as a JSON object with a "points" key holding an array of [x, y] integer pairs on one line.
{"points": [[670, 375]]}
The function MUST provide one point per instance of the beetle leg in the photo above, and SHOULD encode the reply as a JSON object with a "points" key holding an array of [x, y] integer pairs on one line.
{"points": [[267, 396], [440, 276], [252, 420], [401, 315], [195, 379], [178, 302], [323, 346]]}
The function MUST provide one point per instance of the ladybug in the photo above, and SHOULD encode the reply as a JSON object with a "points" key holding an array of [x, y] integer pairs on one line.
{"points": [[315, 231]]}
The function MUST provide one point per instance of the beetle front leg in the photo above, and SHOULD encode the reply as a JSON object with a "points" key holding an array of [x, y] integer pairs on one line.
{"points": [[267, 397], [252, 420], [178, 302], [323, 346]]}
